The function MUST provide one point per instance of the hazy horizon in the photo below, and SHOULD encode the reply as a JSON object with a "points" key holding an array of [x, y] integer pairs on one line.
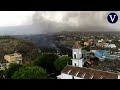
{"points": [[38, 22]]}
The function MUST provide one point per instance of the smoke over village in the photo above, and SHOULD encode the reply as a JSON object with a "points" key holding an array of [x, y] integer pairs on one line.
{"points": [[59, 45], [40, 22]]}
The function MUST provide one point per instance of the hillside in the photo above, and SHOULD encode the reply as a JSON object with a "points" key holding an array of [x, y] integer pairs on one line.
{"points": [[9, 45], [46, 43]]}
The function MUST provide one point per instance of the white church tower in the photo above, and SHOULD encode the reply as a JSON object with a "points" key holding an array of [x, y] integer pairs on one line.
{"points": [[77, 55]]}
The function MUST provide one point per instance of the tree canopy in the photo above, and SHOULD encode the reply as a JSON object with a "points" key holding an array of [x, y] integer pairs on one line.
{"points": [[13, 67], [87, 48], [61, 62], [96, 60], [46, 61], [30, 72]]}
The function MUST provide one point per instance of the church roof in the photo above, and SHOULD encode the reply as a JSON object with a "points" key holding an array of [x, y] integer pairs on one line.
{"points": [[88, 73], [77, 45]]}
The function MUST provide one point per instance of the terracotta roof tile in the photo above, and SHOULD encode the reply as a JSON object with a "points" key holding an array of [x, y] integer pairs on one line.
{"points": [[89, 73], [77, 45]]}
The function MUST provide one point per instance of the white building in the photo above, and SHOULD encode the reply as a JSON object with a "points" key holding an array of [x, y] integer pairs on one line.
{"points": [[106, 45], [77, 71], [112, 46], [99, 41], [79, 56], [93, 51], [110, 40]]}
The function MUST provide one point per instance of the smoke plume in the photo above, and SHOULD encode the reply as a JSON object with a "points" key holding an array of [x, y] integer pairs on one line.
{"points": [[41, 22], [56, 21]]}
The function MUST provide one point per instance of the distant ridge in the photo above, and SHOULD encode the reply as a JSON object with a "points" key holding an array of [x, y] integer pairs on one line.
{"points": [[31, 30], [18, 30]]}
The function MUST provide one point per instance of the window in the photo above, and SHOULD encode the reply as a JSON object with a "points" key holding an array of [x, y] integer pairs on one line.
{"points": [[72, 77], [75, 56], [75, 64], [82, 55]]}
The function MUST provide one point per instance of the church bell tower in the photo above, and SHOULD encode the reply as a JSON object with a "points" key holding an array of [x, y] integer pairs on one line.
{"points": [[77, 55]]}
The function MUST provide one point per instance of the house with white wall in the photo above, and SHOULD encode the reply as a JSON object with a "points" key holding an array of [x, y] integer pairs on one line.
{"points": [[112, 46], [13, 58], [99, 41]]}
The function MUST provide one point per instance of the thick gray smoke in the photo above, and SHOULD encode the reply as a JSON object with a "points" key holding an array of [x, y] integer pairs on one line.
{"points": [[55, 21]]}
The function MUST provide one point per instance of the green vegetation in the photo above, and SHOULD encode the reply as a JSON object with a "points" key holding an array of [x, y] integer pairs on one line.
{"points": [[43, 63], [61, 62], [96, 61], [12, 69], [46, 61], [18, 71], [87, 48], [112, 50], [35, 65], [30, 72], [91, 53], [9, 45], [69, 42]]}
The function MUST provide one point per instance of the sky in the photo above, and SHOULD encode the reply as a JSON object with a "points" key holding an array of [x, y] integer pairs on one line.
{"points": [[55, 21], [74, 20], [14, 18]]}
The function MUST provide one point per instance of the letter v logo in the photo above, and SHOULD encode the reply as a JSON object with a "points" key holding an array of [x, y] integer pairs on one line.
{"points": [[112, 18]]}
